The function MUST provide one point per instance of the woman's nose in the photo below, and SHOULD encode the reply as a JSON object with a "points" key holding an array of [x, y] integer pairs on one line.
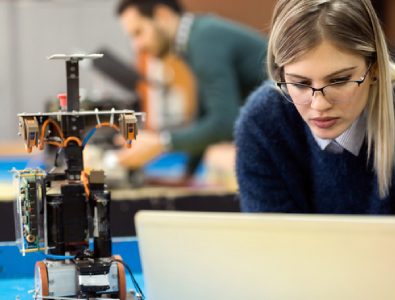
{"points": [[319, 101]]}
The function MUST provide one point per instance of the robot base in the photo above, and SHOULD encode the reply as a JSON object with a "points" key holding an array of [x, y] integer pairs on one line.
{"points": [[62, 280]]}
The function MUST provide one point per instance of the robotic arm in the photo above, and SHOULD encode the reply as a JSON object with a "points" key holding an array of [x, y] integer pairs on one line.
{"points": [[57, 213]]}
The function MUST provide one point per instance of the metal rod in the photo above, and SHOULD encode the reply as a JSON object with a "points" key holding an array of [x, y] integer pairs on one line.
{"points": [[70, 298], [81, 113], [57, 298]]}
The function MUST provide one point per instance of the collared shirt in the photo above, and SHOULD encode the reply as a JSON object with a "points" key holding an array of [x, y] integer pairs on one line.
{"points": [[182, 36], [350, 140]]}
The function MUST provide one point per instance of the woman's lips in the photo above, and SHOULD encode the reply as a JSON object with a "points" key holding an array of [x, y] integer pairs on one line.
{"points": [[324, 123]]}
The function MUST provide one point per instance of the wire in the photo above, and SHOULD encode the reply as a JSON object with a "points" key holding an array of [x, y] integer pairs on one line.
{"points": [[85, 181], [93, 131], [57, 127], [72, 138], [44, 127], [107, 124], [58, 257], [64, 142], [56, 164], [88, 136], [36, 296], [136, 285]]}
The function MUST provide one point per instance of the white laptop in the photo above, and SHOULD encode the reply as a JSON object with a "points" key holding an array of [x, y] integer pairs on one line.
{"points": [[234, 256]]}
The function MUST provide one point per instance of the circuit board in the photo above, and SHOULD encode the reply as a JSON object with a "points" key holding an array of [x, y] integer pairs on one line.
{"points": [[29, 209]]}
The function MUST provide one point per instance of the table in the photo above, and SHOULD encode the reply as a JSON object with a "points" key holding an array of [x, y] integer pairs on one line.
{"points": [[17, 272], [126, 202]]}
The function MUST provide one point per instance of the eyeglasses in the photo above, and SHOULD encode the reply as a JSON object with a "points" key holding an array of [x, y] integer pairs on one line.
{"points": [[302, 94]]}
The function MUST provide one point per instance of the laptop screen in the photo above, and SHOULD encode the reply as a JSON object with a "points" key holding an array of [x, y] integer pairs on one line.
{"points": [[194, 256]]}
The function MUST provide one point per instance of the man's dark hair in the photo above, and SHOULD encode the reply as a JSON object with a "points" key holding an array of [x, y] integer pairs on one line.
{"points": [[147, 7]]}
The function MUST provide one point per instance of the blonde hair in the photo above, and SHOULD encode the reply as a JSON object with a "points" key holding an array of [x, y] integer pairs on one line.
{"points": [[300, 25]]}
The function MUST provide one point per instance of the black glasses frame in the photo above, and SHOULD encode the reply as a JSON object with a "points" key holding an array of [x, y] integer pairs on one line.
{"points": [[359, 82]]}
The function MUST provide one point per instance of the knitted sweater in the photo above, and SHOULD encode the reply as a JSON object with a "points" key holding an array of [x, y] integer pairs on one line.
{"points": [[227, 60], [280, 167]]}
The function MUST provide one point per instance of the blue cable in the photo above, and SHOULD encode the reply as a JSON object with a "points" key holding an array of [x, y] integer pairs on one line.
{"points": [[88, 136], [58, 257]]}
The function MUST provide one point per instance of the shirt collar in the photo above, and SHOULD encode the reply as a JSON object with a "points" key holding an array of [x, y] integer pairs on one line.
{"points": [[183, 31], [350, 140]]}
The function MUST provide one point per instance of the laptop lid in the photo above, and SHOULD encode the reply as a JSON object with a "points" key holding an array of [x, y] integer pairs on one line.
{"points": [[195, 256]]}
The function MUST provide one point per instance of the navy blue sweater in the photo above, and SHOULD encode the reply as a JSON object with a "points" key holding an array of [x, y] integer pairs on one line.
{"points": [[280, 167]]}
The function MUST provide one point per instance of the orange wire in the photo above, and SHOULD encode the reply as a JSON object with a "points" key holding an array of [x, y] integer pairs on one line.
{"points": [[107, 124], [57, 128], [85, 182], [44, 127], [72, 138], [56, 125]]}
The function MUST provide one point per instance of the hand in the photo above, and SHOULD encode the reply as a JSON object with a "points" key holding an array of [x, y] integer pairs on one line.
{"points": [[145, 148]]}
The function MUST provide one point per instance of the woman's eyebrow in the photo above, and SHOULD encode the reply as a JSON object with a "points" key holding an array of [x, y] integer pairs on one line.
{"points": [[341, 71], [327, 76]]}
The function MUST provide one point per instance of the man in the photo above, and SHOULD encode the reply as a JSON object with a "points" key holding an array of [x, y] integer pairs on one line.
{"points": [[227, 60]]}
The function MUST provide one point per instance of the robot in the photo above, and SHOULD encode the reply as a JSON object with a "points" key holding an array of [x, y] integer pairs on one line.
{"points": [[57, 212]]}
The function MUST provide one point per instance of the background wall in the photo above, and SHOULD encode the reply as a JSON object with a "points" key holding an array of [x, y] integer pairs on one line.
{"points": [[31, 30], [389, 20], [255, 13], [7, 73]]}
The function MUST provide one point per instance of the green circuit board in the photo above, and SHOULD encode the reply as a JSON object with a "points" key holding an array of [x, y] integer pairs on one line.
{"points": [[29, 209]]}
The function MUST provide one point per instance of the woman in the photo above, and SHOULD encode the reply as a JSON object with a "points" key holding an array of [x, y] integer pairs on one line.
{"points": [[320, 139]]}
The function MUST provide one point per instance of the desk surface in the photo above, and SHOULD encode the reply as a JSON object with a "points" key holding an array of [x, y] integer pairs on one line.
{"points": [[159, 168], [17, 272], [21, 288], [7, 192], [126, 202]]}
